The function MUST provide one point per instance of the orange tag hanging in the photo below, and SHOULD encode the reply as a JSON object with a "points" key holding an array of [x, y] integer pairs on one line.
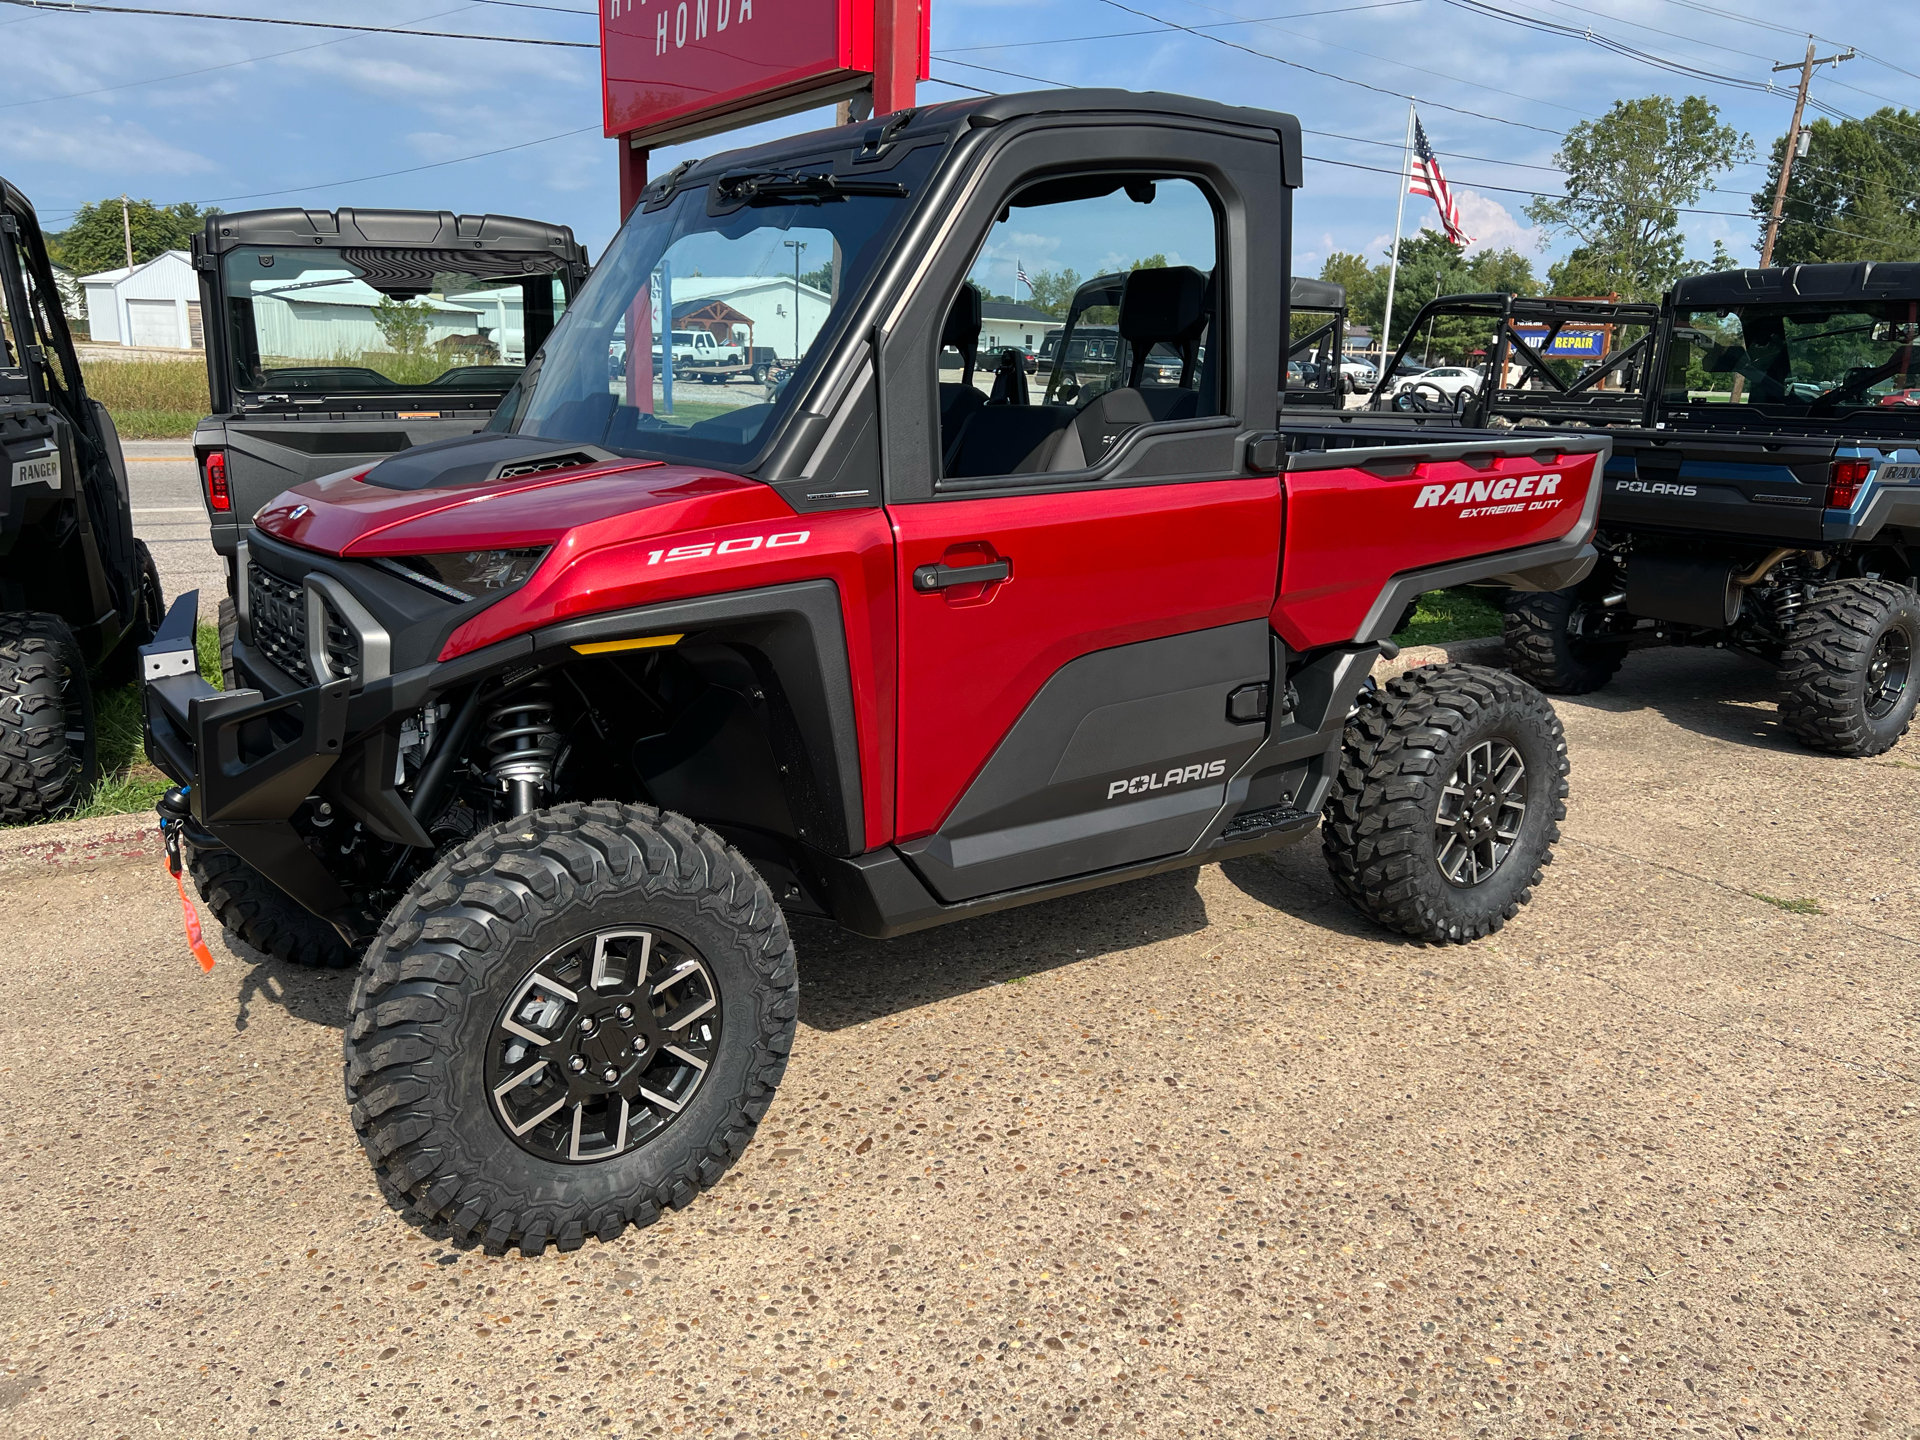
{"points": [[195, 941]]}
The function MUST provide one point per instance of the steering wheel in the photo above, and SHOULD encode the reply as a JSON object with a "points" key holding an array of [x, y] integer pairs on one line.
{"points": [[1410, 398]]}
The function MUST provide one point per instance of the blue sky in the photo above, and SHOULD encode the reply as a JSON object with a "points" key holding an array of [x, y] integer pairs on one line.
{"points": [[255, 115]]}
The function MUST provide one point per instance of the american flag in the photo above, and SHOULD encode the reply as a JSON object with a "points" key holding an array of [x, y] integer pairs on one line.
{"points": [[1020, 274], [1428, 181]]}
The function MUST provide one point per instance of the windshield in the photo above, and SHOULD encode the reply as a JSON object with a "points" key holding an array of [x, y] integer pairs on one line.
{"points": [[358, 320], [1806, 358], [757, 290]]}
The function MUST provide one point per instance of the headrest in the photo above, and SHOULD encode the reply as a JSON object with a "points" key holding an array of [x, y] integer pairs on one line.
{"points": [[1164, 304], [962, 330]]}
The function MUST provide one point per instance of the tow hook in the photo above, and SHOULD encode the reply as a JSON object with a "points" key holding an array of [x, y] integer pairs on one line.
{"points": [[174, 809]]}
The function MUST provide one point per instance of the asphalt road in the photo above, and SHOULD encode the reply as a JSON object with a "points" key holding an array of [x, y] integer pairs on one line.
{"points": [[1203, 1155], [169, 515]]}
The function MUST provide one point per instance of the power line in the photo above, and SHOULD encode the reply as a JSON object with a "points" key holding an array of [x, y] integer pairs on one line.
{"points": [[89, 9], [1218, 25], [1720, 14], [209, 69]]}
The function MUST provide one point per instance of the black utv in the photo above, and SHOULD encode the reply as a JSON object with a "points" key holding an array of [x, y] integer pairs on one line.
{"points": [[77, 591], [336, 338]]}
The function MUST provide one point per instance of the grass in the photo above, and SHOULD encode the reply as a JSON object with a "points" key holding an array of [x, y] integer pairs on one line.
{"points": [[1441, 616], [1803, 906], [128, 784], [150, 399]]}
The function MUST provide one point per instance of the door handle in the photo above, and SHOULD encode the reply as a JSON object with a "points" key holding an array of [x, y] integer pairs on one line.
{"points": [[928, 578]]}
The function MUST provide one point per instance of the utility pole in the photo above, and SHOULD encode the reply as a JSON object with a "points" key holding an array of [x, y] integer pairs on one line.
{"points": [[126, 228], [796, 246], [1805, 67]]}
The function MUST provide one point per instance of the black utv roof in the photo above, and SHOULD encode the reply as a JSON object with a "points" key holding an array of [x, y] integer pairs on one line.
{"points": [[892, 133], [1869, 280], [387, 229], [1317, 295]]}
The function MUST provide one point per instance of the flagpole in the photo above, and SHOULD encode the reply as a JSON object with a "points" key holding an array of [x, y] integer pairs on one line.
{"points": [[1393, 268]]}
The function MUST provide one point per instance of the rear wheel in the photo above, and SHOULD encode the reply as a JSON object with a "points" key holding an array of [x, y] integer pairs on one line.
{"points": [[122, 667], [571, 1022], [46, 719], [255, 910], [1847, 676], [1447, 802], [1543, 648]]}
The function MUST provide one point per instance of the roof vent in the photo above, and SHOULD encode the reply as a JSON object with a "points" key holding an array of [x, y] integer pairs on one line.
{"points": [[540, 464]]}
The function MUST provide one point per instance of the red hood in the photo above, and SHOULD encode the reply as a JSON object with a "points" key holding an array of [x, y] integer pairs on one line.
{"points": [[343, 515]]}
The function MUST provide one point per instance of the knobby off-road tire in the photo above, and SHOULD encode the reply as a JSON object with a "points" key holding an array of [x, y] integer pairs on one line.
{"points": [[502, 944], [46, 718], [1848, 681], [258, 912], [1543, 651], [1433, 760]]}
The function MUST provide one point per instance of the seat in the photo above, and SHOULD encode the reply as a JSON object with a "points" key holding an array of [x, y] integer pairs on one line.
{"points": [[961, 332], [1169, 306]]}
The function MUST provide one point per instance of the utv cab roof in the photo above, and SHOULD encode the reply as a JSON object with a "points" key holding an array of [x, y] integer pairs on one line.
{"points": [[1869, 280], [388, 229], [874, 145], [1317, 295]]}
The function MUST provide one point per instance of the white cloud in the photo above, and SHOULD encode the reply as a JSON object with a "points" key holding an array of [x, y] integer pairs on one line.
{"points": [[1494, 227], [103, 146]]}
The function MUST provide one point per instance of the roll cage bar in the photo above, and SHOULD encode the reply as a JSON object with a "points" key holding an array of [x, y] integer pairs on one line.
{"points": [[1557, 399]]}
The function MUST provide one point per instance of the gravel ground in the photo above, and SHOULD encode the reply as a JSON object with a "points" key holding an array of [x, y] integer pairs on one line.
{"points": [[1199, 1155]]}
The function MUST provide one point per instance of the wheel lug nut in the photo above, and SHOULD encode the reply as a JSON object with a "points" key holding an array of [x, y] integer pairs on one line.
{"points": [[610, 1075], [639, 1044], [625, 1012], [586, 1027], [577, 1064]]}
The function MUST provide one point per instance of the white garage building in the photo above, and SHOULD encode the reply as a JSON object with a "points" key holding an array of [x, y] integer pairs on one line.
{"points": [[770, 301], [156, 303]]}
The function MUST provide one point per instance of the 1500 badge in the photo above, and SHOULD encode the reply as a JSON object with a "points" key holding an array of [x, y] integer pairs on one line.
{"points": [[739, 545], [1179, 775]]}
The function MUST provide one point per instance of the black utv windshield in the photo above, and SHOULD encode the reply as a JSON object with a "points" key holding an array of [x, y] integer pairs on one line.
{"points": [[767, 266], [1798, 359], [371, 320]]}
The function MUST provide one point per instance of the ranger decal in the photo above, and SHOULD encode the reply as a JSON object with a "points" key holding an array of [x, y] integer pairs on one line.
{"points": [[1476, 492]]}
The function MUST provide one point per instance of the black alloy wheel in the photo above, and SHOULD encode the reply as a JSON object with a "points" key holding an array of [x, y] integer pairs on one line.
{"points": [[1888, 673], [1482, 808], [603, 1044]]}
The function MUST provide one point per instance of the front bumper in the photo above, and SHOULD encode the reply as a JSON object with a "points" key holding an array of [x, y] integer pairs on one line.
{"points": [[248, 760]]}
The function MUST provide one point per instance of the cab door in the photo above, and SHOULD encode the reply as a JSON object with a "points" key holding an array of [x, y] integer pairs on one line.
{"points": [[1084, 642]]}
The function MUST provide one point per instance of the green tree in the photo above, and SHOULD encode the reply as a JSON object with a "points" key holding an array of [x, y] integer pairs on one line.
{"points": [[96, 240], [403, 323], [1629, 174], [1052, 291], [1855, 194]]}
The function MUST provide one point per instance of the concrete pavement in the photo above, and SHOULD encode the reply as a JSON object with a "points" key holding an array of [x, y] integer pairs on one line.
{"points": [[170, 516], [1203, 1155]]}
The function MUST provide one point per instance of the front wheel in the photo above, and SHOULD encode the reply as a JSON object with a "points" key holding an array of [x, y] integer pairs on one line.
{"points": [[1847, 675], [1447, 802], [572, 1021], [47, 757]]}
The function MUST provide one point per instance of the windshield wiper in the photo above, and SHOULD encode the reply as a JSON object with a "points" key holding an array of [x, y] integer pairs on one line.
{"points": [[779, 187]]}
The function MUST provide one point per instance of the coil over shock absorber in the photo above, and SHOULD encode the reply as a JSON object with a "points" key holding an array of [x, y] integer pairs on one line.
{"points": [[525, 744], [1789, 593]]}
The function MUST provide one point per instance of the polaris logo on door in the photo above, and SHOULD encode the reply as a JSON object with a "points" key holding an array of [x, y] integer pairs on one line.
{"points": [[1476, 492], [1653, 487], [1179, 775]]}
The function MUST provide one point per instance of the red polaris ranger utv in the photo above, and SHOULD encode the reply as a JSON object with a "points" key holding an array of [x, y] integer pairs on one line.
{"points": [[554, 722]]}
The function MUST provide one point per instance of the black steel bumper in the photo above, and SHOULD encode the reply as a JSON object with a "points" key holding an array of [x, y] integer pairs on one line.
{"points": [[248, 760]]}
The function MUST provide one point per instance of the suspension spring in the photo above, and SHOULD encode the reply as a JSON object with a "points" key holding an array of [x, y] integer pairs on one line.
{"points": [[1789, 594], [524, 744]]}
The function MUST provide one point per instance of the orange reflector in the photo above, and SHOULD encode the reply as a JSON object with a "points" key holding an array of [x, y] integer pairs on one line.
{"points": [[195, 941], [644, 642]]}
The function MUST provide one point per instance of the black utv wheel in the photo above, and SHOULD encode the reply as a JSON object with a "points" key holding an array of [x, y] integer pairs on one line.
{"points": [[1447, 802], [260, 913], [1847, 676], [46, 719], [1544, 651], [573, 1020]]}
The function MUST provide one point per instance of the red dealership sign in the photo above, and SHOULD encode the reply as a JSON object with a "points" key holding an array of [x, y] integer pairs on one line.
{"points": [[675, 70]]}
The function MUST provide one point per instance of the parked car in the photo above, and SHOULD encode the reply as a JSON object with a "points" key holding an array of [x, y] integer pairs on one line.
{"points": [[1358, 374], [1456, 382], [990, 359]]}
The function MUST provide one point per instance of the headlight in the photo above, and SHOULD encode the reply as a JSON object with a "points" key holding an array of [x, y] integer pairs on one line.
{"points": [[469, 574]]}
